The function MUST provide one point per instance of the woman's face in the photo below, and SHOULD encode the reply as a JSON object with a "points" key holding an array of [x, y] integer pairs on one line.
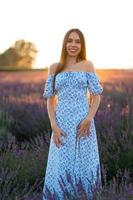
{"points": [[73, 45]]}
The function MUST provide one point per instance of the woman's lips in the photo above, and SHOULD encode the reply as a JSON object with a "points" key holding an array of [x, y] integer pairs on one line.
{"points": [[72, 50]]}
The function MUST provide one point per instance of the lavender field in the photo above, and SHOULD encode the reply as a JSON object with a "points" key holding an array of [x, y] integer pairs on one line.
{"points": [[25, 135]]}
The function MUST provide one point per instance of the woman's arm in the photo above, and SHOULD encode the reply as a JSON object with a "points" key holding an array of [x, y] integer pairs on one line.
{"points": [[95, 102], [51, 102], [51, 110], [84, 126], [94, 99]]}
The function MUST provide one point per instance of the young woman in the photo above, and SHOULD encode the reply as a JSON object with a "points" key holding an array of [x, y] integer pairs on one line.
{"points": [[73, 147]]}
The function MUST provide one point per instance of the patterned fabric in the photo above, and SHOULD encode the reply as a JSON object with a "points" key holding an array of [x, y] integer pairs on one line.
{"points": [[78, 157]]}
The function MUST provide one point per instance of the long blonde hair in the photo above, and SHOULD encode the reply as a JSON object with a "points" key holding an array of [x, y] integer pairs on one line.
{"points": [[81, 56]]}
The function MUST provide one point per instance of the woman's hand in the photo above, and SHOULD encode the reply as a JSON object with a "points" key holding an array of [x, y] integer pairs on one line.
{"points": [[84, 128], [57, 135]]}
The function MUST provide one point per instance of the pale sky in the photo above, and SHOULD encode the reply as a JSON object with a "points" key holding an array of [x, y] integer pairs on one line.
{"points": [[107, 26]]}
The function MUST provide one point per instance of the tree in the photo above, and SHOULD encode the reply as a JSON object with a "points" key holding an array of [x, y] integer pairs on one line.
{"points": [[21, 55]]}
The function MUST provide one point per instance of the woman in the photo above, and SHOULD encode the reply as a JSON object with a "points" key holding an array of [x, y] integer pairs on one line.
{"points": [[73, 147]]}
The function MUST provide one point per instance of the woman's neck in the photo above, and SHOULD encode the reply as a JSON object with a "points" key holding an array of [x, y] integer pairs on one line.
{"points": [[70, 61]]}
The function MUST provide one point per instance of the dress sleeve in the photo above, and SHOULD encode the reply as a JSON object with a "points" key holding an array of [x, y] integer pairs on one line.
{"points": [[48, 88], [93, 83]]}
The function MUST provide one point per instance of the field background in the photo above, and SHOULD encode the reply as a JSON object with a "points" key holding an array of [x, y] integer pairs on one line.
{"points": [[25, 134], [105, 75]]}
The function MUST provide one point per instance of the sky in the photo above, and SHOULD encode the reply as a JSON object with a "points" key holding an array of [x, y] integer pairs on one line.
{"points": [[106, 25]]}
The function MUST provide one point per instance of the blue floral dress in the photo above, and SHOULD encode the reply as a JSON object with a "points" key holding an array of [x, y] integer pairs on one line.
{"points": [[78, 157]]}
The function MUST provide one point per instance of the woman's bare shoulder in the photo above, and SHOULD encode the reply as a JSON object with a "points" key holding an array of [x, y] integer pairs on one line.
{"points": [[52, 68], [89, 66]]}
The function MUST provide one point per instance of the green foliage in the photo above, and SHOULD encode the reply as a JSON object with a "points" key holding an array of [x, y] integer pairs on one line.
{"points": [[22, 55], [115, 132], [29, 164], [6, 122]]}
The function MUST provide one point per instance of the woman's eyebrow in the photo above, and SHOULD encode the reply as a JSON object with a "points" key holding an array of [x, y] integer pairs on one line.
{"points": [[75, 39]]}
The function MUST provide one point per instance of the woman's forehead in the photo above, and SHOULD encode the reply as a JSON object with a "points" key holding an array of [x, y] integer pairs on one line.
{"points": [[74, 35]]}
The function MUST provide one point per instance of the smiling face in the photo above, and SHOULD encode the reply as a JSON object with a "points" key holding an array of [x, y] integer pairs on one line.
{"points": [[73, 47], [73, 44]]}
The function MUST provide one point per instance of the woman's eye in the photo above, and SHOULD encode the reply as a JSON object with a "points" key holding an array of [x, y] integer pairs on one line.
{"points": [[69, 41]]}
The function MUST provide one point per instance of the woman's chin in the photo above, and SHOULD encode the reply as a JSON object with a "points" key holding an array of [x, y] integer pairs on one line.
{"points": [[73, 54]]}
